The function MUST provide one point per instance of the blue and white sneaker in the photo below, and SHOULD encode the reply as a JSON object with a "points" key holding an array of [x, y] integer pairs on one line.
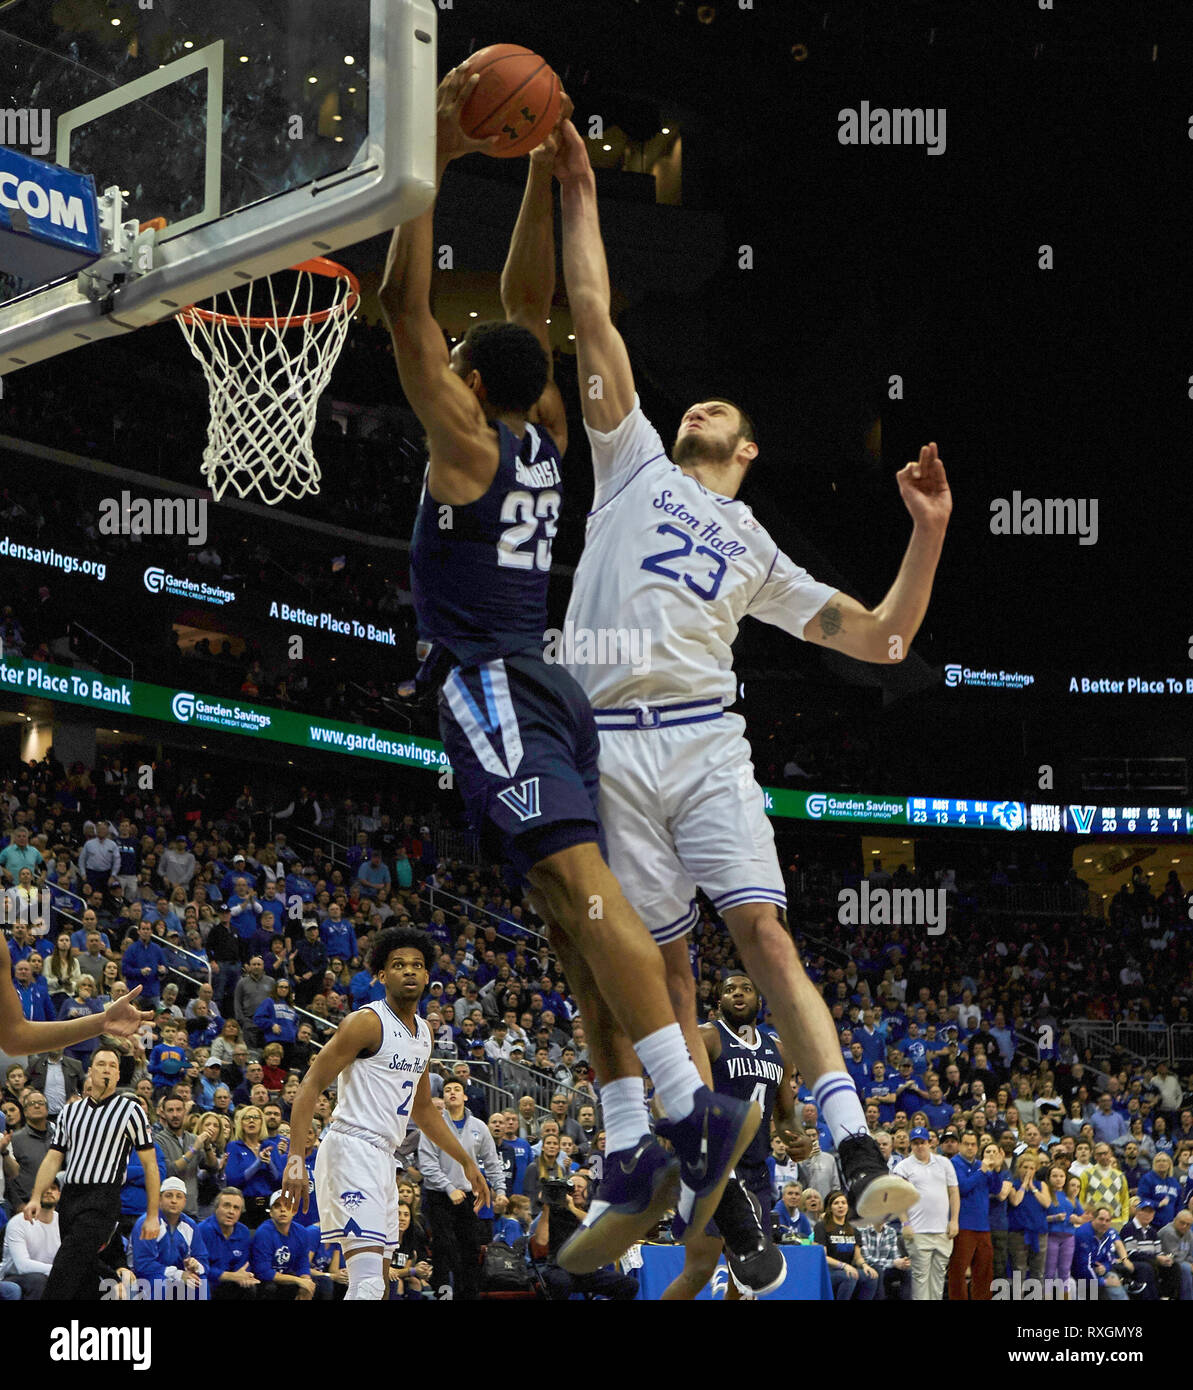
{"points": [[638, 1188], [709, 1143]]}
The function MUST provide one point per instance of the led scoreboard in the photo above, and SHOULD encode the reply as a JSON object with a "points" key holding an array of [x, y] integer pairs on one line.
{"points": [[1129, 820], [940, 810]]}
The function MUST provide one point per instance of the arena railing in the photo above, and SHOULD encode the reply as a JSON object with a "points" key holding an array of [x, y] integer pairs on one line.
{"points": [[204, 963], [1181, 1036], [291, 832], [501, 924]]}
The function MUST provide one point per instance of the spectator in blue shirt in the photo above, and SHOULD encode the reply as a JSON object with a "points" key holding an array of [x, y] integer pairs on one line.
{"points": [[364, 988], [1097, 1249], [168, 1059], [276, 1016], [280, 1255], [298, 885], [1109, 1125], [790, 1221], [245, 908], [881, 1090], [175, 1264], [1162, 1189], [133, 1198], [34, 1000], [277, 1163], [937, 1109], [978, 1180], [248, 1164], [915, 1049], [857, 1067], [227, 1241], [144, 963], [338, 936], [373, 875], [522, 1148]]}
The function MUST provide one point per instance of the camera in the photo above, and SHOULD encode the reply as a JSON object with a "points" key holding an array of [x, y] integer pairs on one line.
{"points": [[555, 1191]]}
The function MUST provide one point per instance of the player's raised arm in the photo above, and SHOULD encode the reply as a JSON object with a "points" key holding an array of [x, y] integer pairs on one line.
{"points": [[606, 379], [463, 456], [19, 1036], [359, 1033], [528, 280], [884, 634]]}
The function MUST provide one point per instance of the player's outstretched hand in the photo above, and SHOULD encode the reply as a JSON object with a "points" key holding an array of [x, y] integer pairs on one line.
{"points": [[480, 1188], [122, 1019], [571, 156], [296, 1186], [798, 1143], [925, 490], [451, 142], [545, 153]]}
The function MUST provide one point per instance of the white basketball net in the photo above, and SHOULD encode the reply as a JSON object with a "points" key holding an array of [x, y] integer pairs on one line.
{"points": [[267, 367]]}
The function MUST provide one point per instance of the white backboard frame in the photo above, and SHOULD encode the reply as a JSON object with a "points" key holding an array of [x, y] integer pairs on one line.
{"points": [[390, 179]]}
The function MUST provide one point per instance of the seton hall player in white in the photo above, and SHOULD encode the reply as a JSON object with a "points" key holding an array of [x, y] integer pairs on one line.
{"points": [[380, 1054], [669, 550]]}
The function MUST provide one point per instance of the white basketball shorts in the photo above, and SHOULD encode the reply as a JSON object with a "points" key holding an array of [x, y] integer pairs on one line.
{"points": [[357, 1190], [681, 810]]}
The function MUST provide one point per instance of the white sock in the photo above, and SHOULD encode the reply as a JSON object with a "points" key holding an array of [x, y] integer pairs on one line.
{"points": [[365, 1283], [623, 1109], [667, 1061], [837, 1100]]}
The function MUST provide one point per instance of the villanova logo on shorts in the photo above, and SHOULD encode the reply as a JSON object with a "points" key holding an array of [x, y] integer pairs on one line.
{"points": [[352, 1199], [525, 801]]}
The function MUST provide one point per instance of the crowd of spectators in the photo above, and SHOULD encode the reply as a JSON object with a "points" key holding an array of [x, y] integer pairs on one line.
{"points": [[249, 949]]}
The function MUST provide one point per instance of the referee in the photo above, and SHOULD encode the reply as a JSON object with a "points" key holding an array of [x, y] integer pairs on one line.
{"points": [[94, 1136]]}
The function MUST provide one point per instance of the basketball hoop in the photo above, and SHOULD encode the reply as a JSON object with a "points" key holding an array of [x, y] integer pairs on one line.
{"points": [[266, 373]]}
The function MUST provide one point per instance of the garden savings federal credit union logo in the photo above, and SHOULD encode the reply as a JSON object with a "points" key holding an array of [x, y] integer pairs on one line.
{"points": [[188, 708], [160, 581]]}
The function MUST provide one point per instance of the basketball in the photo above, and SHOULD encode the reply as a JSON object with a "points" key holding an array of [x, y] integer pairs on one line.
{"points": [[517, 97]]}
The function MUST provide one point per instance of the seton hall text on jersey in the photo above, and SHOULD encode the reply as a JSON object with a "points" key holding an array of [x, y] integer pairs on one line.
{"points": [[399, 1063], [732, 550], [544, 474], [752, 1066]]}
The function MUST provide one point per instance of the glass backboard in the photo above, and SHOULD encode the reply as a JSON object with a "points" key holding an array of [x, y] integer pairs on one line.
{"points": [[265, 132]]}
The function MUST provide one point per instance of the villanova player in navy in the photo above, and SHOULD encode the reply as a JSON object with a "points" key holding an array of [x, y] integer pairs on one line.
{"points": [[519, 731], [748, 1063]]}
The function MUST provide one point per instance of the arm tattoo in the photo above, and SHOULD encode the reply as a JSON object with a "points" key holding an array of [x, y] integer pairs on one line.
{"points": [[831, 624]]}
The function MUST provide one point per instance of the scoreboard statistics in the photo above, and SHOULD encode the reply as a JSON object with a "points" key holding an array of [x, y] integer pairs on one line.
{"points": [[1130, 820]]}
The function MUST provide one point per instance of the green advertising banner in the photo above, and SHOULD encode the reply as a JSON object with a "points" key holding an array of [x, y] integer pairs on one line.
{"points": [[219, 715], [234, 716]]}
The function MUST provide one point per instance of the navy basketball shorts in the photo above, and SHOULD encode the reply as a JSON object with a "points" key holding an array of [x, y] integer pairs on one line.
{"points": [[524, 749]]}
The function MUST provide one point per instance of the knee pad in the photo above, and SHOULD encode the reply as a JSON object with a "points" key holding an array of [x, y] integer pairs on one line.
{"points": [[365, 1276]]}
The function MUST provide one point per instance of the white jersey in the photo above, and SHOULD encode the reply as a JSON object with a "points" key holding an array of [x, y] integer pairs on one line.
{"points": [[668, 561], [375, 1093]]}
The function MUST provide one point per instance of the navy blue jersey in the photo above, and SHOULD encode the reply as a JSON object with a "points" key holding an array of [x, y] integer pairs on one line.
{"points": [[750, 1073], [479, 572]]}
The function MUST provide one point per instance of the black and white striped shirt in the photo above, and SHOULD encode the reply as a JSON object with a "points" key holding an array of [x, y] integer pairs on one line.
{"points": [[97, 1139]]}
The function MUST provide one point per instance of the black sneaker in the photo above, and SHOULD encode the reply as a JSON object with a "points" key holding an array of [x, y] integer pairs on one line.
{"points": [[875, 1193], [755, 1261]]}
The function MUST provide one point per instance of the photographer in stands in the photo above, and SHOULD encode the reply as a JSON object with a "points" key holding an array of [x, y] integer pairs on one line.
{"points": [[564, 1206]]}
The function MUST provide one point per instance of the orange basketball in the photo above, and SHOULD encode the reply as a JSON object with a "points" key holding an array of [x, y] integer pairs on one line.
{"points": [[517, 98]]}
